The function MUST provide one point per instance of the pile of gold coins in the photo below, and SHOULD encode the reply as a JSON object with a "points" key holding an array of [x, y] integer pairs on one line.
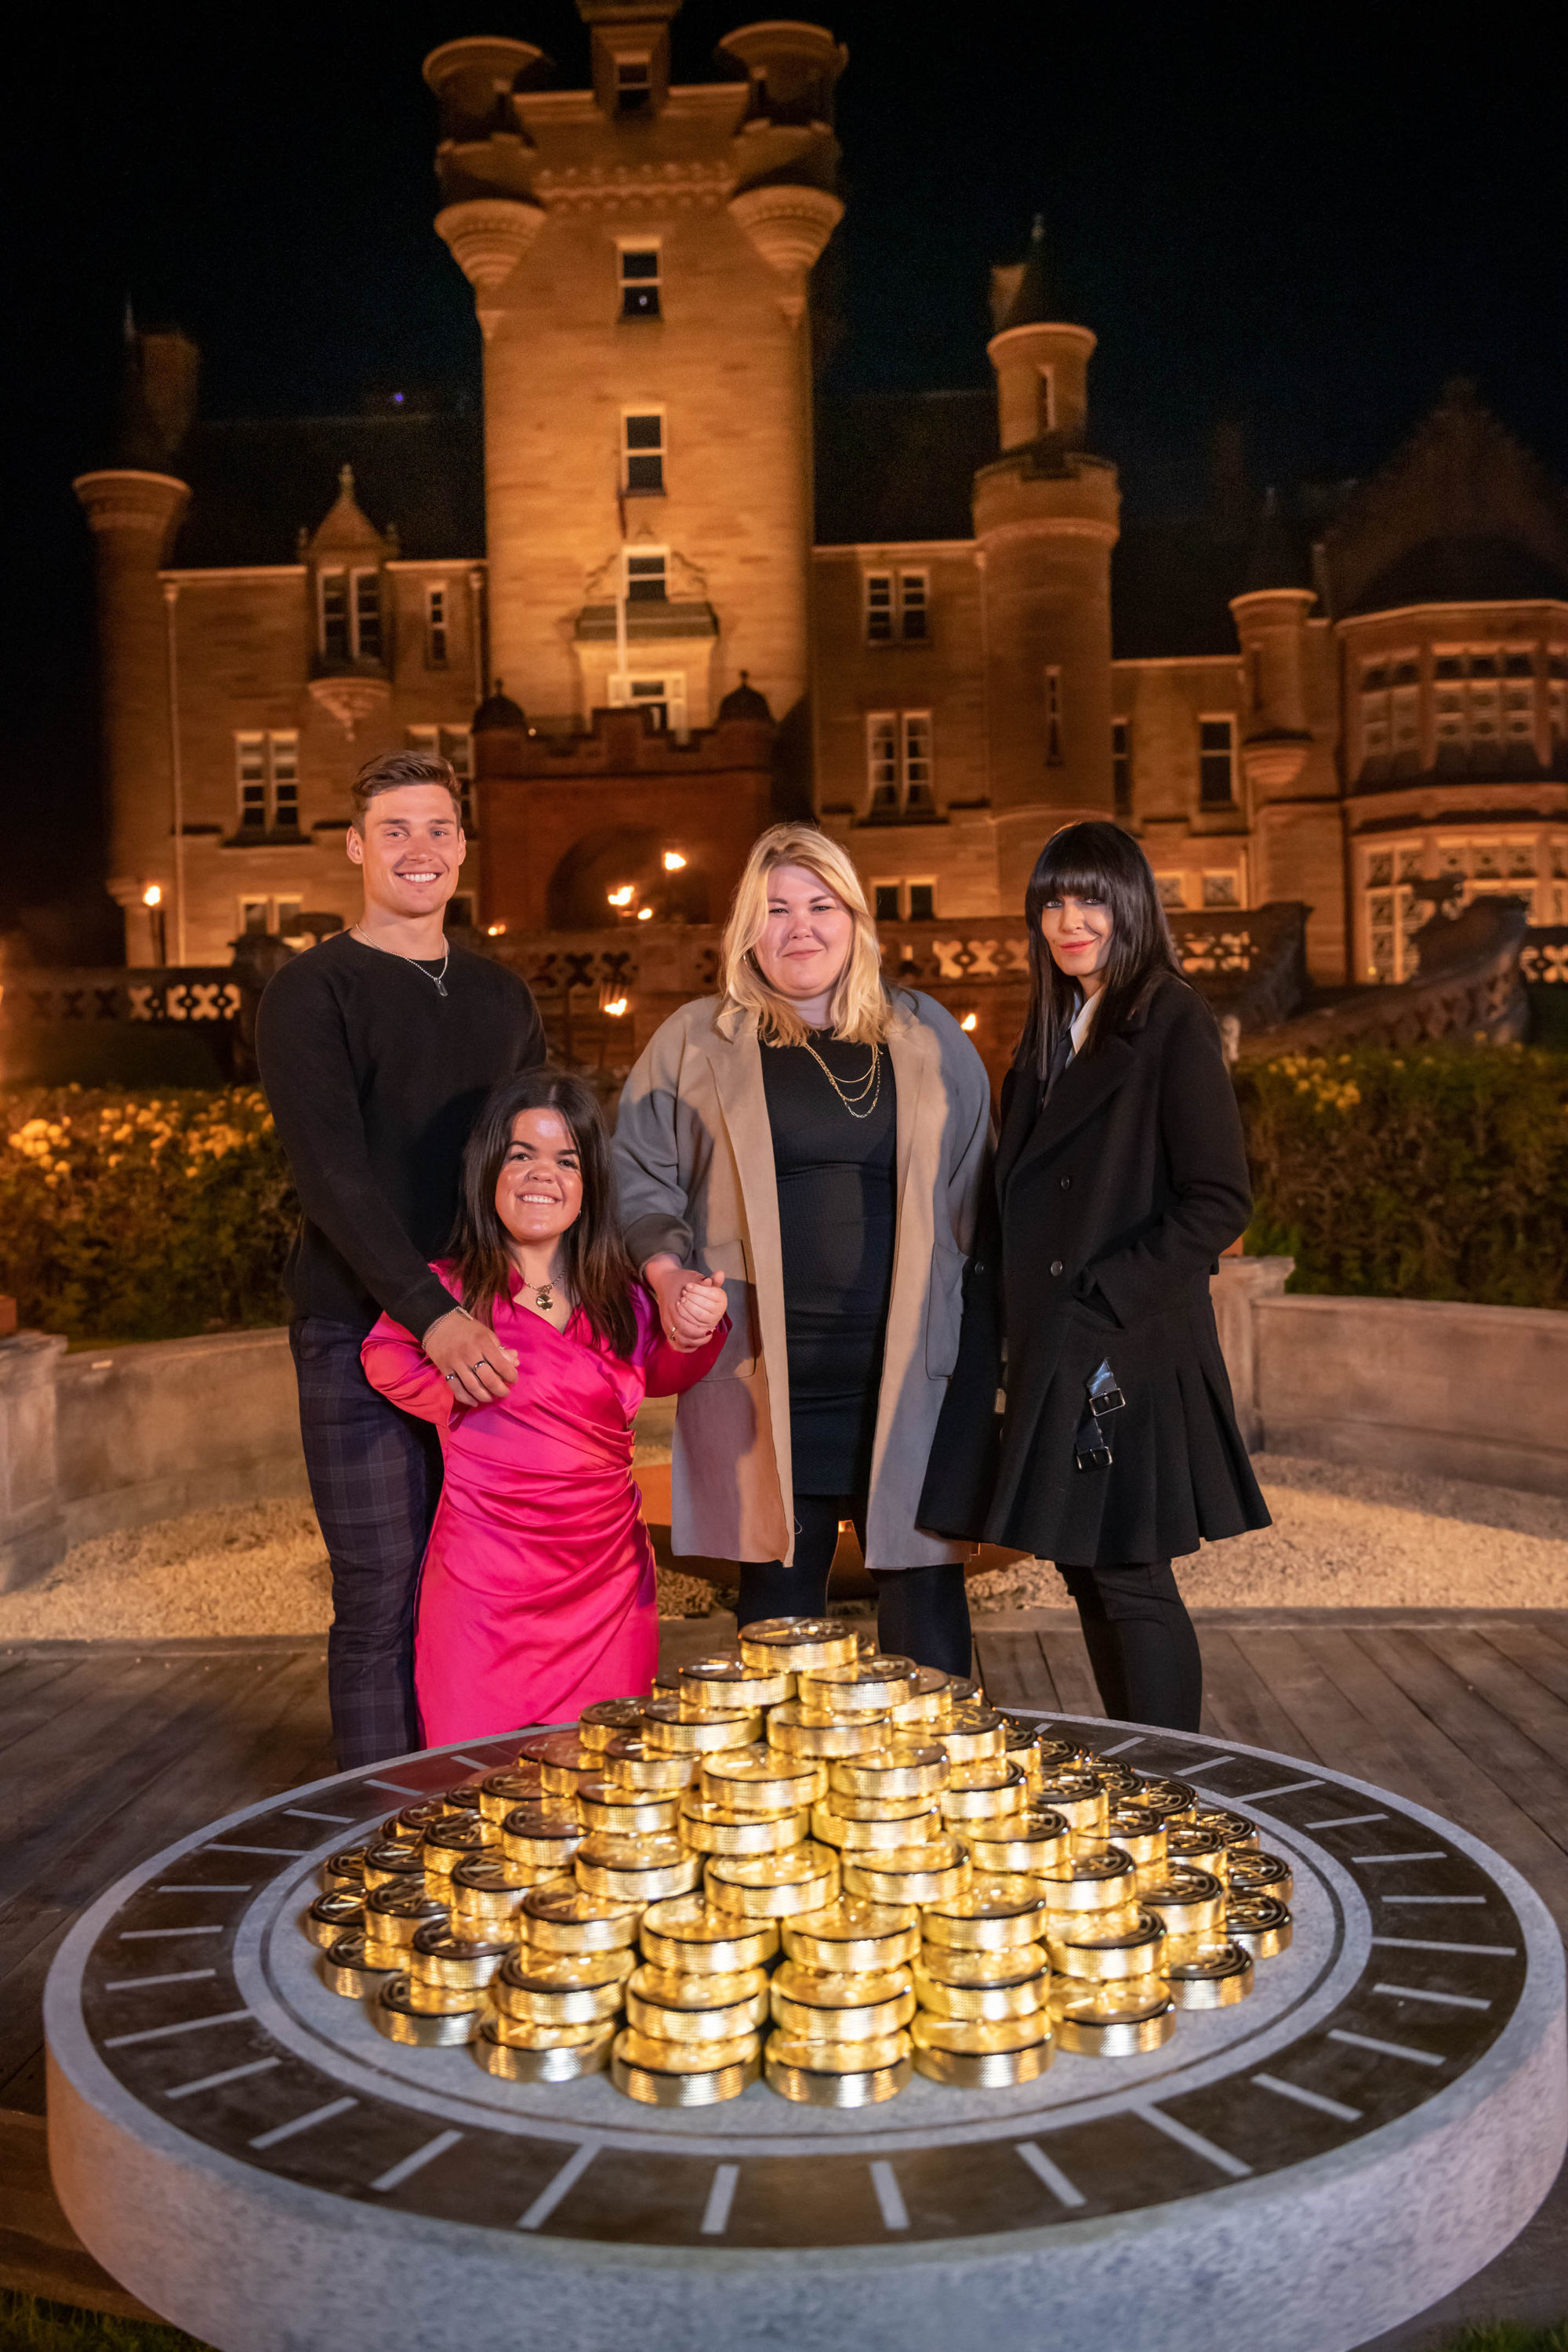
{"points": [[805, 1862]]}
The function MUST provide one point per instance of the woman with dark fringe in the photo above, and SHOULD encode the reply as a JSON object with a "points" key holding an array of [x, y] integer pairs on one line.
{"points": [[1120, 1175], [537, 1596]]}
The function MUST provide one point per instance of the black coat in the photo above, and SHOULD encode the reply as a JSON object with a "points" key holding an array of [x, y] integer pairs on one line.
{"points": [[1112, 1204]]}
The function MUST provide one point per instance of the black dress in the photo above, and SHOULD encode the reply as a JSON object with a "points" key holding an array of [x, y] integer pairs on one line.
{"points": [[837, 1209]]}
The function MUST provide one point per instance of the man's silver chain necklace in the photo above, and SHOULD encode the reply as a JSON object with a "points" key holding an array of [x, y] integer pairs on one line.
{"points": [[437, 979]]}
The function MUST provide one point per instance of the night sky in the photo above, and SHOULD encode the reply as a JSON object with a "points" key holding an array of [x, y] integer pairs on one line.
{"points": [[1299, 223]]}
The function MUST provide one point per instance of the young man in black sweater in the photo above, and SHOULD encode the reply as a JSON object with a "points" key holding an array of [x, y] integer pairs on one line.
{"points": [[376, 1049]]}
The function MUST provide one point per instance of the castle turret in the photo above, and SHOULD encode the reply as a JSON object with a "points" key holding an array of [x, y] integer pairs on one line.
{"points": [[1046, 518], [133, 508], [1270, 617]]}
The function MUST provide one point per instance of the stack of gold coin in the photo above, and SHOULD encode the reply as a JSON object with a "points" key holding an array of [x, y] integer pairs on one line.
{"points": [[631, 1763], [982, 1982], [338, 1913], [501, 1793], [393, 1914], [841, 2037], [1260, 1924], [725, 1681], [796, 1646], [607, 1719], [552, 2014], [673, 1727], [487, 1892]]}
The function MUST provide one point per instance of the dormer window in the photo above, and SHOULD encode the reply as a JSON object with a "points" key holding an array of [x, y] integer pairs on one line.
{"points": [[350, 615], [634, 85], [640, 281], [367, 616], [334, 616]]}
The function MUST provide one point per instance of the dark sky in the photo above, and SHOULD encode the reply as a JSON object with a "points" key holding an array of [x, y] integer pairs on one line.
{"points": [[1300, 220]]}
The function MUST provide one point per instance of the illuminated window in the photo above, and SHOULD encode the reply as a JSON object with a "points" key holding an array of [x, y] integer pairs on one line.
{"points": [[289, 913], [456, 744], [283, 754], [642, 456], [1483, 698], [1047, 409], [902, 902], [1053, 717], [640, 281], [435, 627], [351, 616], [918, 798], [1393, 908], [1122, 764], [1216, 763], [1557, 700], [253, 916], [900, 764]]}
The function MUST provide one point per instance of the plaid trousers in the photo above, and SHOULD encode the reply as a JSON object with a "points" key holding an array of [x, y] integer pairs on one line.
{"points": [[375, 1478]]}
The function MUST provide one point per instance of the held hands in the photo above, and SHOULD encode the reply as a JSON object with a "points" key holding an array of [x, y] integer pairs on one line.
{"points": [[690, 1306], [470, 1358]]}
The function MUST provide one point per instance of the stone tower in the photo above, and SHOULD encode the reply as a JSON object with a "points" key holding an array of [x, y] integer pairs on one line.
{"points": [[133, 508], [639, 253], [1046, 518]]}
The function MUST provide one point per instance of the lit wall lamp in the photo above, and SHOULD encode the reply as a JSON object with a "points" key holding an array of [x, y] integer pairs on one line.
{"points": [[618, 1007], [645, 914], [152, 899], [673, 861], [494, 931], [621, 896], [970, 1024]]}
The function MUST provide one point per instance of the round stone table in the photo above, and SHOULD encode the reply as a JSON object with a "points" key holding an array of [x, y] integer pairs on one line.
{"points": [[242, 2149]]}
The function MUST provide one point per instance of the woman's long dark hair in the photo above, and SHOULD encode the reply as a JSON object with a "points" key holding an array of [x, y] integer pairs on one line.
{"points": [[598, 1270], [1093, 860]]}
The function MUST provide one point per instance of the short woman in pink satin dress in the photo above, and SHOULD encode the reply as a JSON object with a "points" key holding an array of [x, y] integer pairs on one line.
{"points": [[537, 1596]]}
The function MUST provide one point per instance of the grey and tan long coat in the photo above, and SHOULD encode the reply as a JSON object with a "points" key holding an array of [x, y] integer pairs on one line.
{"points": [[694, 1161]]}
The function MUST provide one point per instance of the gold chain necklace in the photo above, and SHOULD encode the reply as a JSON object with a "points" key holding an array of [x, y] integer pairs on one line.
{"points": [[871, 1085]]}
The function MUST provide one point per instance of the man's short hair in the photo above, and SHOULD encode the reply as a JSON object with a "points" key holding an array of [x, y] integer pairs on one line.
{"points": [[390, 771]]}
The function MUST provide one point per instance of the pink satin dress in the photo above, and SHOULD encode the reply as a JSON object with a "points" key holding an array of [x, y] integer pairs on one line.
{"points": [[537, 1595]]}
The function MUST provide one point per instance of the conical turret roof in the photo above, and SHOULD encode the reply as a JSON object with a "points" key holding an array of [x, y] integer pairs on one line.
{"points": [[1033, 302], [345, 528]]}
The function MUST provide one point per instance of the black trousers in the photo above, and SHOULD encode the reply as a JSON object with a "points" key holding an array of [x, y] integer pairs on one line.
{"points": [[376, 1479], [922, 1613], [1141, 1645]]}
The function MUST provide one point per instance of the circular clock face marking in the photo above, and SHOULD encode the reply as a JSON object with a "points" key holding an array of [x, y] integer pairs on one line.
{"points": [[193, 1990]]}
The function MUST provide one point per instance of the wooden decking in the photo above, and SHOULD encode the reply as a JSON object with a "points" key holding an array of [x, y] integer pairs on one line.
{"points": [[110, 1751]]}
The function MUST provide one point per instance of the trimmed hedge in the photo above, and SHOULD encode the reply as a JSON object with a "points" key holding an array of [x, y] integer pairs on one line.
{"points": [[1439, 1172], [133, 1216]]}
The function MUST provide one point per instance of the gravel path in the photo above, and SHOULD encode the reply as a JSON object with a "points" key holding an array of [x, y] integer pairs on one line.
{"points": [[1341, 1538]]}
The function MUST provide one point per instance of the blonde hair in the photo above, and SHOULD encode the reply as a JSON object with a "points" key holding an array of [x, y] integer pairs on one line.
{"points": [[860, 1007]]}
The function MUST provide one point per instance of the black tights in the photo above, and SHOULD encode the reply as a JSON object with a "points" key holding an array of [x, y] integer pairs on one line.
{"points": [[922, 1613], [1141, 1642]]}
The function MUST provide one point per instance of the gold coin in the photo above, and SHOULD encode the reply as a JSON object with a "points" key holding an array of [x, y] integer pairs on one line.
{"points": [[635, 1870], [396, 1910], [707, 1827], [1232, 1829], [451, 1841], [1080, 1798], [1206, 1971], [796, 1731], [1260, 1924], [1140, 1834], [852, 1938], [489, 1888], [603, 1804], [563, 2061], [1094, 1878], [686, 1935], [1189, 1902], [973, 2053], [796, 1646], [909, 1874], [408, 1827], [437, 1956], [837, 2075], [683, 2073], [566, 1989], [1033, 1841], [351, 1967], [396, 2012], [990, 1791], [462, 1801], [387, 1863], [1103, 1947], [561, 1918], [857, 2007], [437, 2000], [996, 1912], [901, 1771], [759, 1779], [1059, 1752], [955, 1983], [773, 1885], [523, 2033], [346, 1869], [1260, 1873], [338, 1913], [973, 1732], [676, 2008], [501, 1793], [854, 1833], [880, 1809], [548, 1834], [561, 1753], [725, 1680], [605, 1720], [631, 1763], [1199, 1850], [1175, 1799], [872, 1685], [670, 1727], [932, 1703], [1113, 2020]]}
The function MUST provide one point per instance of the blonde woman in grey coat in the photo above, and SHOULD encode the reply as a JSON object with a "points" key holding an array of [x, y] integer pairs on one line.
{"points": [[808, 1148]]}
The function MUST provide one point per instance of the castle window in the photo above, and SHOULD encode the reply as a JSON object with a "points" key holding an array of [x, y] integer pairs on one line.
{"points": [[283, 754], [878, 608], [367, 616], [253, 916], [289, 913], [266, 774], [435, 627], [643, 455], [640, 280], [1053, 717], [250, 765], [334, 616], [647, 578], [882, 761], [1216, 763], [634, 85], [922, 902], [1394, 909], [904, 902], [898, 607], [899, 763], [1122, 765], [1557, 698], [885, 901], [914, 590], [918, 798]]}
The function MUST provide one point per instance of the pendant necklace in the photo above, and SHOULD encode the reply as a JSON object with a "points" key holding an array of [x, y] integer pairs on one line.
{"points": [[437, 979]]}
